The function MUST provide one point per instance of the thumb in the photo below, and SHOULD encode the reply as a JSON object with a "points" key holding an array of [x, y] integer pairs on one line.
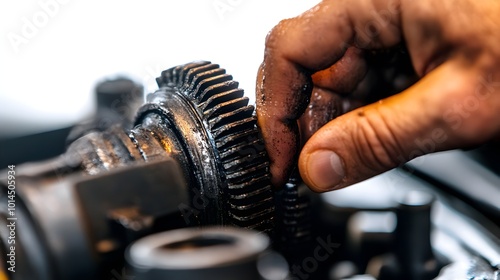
{"points": [[381, 136]]}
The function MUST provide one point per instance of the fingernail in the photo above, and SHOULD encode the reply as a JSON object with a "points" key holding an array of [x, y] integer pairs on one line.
{"points": [[325, 169]]}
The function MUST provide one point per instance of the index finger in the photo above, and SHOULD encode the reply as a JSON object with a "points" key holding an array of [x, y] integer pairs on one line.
{"points": [[298, 47]]}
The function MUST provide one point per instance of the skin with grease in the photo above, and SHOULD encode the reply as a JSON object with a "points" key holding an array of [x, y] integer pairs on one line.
{"points": [[314, 63]]}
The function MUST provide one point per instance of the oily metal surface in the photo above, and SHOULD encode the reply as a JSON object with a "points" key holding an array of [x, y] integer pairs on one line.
{"points": [[232, 135], [200, 118]]}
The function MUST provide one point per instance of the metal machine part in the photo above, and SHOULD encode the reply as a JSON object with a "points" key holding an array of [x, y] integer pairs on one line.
{"points": [[410, 230], [209, 253], [117, 102], [199, 118], [200, 124], [61, 220], [192, 158], [413, 214]]}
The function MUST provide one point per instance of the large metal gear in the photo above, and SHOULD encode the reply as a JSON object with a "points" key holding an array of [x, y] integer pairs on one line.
{"points": [[192, 157], [228, 126], [200, 118]]}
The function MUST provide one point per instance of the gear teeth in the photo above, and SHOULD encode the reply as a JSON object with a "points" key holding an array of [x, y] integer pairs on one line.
{"points": [[239, 125], [252, 146], [159, 81], [227, 88], [181, 72], [231, 117], [250, 194], [264, 226], [249, 218], [244, 161], [227, 107], [216, 86], [232, 124], [203, 77], [193, 72], [233, 139], [166, 77], [295, 217], [240, 188], [241, 175], [251, 206], [174, 75], [219, 95]]}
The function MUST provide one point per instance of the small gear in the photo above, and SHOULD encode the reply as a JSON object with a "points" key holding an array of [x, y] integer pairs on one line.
{"points": [[294, 212]]}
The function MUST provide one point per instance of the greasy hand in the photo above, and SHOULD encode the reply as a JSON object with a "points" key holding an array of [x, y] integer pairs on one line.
{"points": [[454, 49]]}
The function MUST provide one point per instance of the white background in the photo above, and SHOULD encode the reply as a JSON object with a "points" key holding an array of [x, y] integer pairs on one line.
{"points": [[51, 55]]}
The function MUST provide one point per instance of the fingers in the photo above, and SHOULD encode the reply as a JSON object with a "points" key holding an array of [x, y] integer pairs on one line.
{"points": [[381, 136], [323, 107], [343, 76], [277, 114], [299, 47], [326, 102]]}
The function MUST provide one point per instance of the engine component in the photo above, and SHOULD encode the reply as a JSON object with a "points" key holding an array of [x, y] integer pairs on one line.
{"points": [[413, 227], [201, 119], [117, 102], [293, 219], [87, 218], [198, 122], [209, 253], [219, 129]]}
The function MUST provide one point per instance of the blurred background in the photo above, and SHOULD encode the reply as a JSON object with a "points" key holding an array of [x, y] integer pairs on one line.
{"points": [[53, 52]]}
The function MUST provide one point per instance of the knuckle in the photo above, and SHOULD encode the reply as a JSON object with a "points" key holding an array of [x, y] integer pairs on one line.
{"points": [[482, 125], [276, 34], [471, 108], [378, 25]]}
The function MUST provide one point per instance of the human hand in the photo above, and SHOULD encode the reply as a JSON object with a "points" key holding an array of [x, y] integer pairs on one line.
{"points": [[453, 47]]}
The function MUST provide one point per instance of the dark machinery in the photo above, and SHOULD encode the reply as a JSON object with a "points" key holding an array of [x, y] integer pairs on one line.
{"points": [[192, 158], [200, 119], [182, 191]]}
